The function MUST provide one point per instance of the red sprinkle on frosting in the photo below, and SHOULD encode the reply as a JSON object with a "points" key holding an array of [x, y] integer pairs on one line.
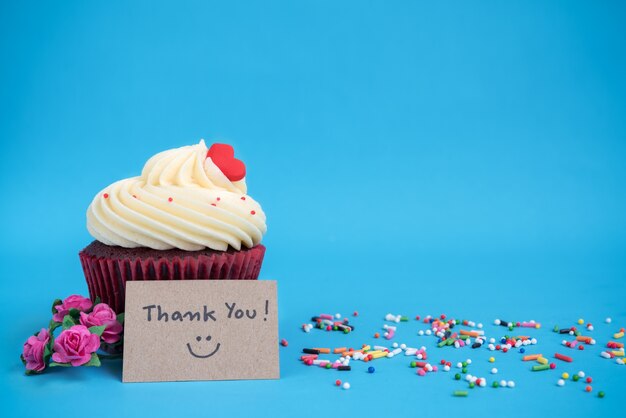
{"points": [[213, 204], [218, 199], [169, 199], [252, 212], [106, 195], [243, 198]]}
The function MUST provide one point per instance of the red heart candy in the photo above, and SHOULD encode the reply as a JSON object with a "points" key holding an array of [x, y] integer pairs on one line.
{"points": [[223, 156]]}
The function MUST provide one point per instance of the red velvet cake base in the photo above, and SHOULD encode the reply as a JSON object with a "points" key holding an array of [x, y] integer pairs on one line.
{"points": [[107, 268]]}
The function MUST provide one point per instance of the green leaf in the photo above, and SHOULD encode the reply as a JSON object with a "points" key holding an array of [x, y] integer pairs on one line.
{"points": [[46, 350], [97, 301], [52, 326], [98, 330], [55, 364], [94, 361], [54, 304], [22, 358], [30, 372], [68, 322], [120, 318], [75, 313]]}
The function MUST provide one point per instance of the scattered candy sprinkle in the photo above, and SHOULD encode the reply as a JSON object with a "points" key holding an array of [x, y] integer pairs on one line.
{"points": [[451, 333]]}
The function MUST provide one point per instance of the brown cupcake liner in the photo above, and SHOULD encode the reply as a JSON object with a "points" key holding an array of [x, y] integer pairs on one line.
{"points": [[106, 276]]}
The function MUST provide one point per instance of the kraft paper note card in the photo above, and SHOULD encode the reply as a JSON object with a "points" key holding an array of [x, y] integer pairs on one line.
{"points": [[200, 330]]}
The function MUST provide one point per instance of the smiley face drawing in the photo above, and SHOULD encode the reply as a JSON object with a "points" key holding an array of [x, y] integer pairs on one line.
{"points": [[199, 338]]}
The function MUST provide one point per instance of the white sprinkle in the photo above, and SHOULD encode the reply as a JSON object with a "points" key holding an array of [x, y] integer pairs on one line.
{"points": [[494, 371], [608, 320], [480, 326], [581, 374], [337, 315], [510, 384], [346, 385], [560, 382]]}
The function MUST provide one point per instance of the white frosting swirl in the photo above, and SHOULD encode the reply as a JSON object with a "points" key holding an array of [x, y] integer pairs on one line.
{"points": [[181, 200]]}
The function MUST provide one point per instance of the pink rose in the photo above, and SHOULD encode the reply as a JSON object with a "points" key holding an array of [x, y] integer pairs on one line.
{"points": [[74, 301], [102, 314], [75, 345], [34, 349]]}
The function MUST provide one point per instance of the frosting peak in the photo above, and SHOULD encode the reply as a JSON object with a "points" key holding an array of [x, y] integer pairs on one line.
{"points": [[189, 198]]}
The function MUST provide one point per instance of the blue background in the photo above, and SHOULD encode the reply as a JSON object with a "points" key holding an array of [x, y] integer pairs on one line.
{"points": [[466, 158]]}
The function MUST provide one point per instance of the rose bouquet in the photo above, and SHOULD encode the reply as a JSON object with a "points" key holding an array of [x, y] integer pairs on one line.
{"points": [[86, 327]]}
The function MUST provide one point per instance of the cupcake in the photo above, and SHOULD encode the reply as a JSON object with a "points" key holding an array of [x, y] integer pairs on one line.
{"points": [[186, 217]]}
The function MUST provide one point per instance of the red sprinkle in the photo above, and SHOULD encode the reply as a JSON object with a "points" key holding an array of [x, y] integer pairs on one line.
{"points": [[252, 212], [337, 382], [563, 357], [169, 199], [243, 198], [588, 380], [106, 195], [213, 204], [284, 343], [355, 313], [135, 196], [218, 199]]}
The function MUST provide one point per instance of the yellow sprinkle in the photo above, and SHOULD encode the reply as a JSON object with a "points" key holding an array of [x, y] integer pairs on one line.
{"points": [[542, 360], [618, 353], [491, 359], [581, 321], [379, 354], [565, 375], [618, 335]]}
